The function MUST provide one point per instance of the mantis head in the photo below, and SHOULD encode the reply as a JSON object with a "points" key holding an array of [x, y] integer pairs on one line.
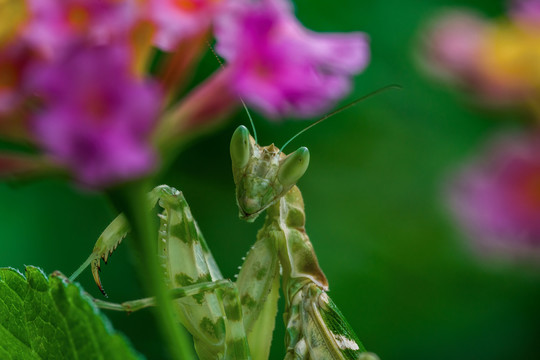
{"points": [[262, 174]]}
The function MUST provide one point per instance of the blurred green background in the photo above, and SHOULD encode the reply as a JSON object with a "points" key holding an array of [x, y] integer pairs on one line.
{"points": [[399, 269]]}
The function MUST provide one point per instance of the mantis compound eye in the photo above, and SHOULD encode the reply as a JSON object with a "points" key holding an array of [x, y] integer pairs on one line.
{"points": [[293, 167], [240, 147]]}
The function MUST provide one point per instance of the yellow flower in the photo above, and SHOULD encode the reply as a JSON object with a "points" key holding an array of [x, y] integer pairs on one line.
{"points": [[13, 16], [511, 55]]}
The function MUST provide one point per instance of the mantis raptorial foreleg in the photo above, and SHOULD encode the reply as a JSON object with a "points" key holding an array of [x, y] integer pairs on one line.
{"points": [[208, 306]]}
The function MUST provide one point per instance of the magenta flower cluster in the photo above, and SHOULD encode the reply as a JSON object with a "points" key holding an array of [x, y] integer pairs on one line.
{"points": [[74, 83], [315, 70], [496, 197], [97, 123]]}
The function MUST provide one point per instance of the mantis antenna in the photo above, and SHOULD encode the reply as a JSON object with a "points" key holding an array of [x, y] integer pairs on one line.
{"points": [[337, 111], [241, 100]]}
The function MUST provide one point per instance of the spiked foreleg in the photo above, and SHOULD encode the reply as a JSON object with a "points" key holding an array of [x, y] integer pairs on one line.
{"points": [[113, 235], [214, 318], [187, 264], [107, 242]]}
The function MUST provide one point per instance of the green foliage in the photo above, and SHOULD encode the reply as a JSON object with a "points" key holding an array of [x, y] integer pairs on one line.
{"points": [[51, 318]]}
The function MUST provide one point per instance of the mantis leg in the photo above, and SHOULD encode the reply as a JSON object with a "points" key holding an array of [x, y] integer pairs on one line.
{"points": [[178, 293], [117, 230], [211, 311], [107, 242], [237, 347], [258, 285], [111, 237]]}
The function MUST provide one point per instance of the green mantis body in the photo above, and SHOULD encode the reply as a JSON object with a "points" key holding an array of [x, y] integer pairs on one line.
{"points": [[236, 320], [265, 179]]}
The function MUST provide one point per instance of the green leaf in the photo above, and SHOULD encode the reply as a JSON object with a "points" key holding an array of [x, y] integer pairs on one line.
{"points": [[52, 318]]}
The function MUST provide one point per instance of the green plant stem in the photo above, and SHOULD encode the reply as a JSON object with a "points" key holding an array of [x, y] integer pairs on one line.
{"points": [[130, 199]]}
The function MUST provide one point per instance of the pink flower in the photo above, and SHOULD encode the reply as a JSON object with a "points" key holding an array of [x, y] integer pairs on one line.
{"points": [[281, 67], [55, 24], [496, 198], [461, 48], [176, 20], [527, 11], [451, 45], [97, 116]]}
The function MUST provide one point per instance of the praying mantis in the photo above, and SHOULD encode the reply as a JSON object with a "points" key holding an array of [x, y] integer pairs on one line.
{"points": [[235, 320]]}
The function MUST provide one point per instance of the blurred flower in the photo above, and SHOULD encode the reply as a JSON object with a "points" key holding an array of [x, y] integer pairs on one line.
{"points": [[496, 197], [54, 25], [510, 55], [279, 66], [203, 108], [527, 11], [451, 44], [15, 55], [13, 17], [97, 116], [71, 76], [497, 61], [178, 19]]}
